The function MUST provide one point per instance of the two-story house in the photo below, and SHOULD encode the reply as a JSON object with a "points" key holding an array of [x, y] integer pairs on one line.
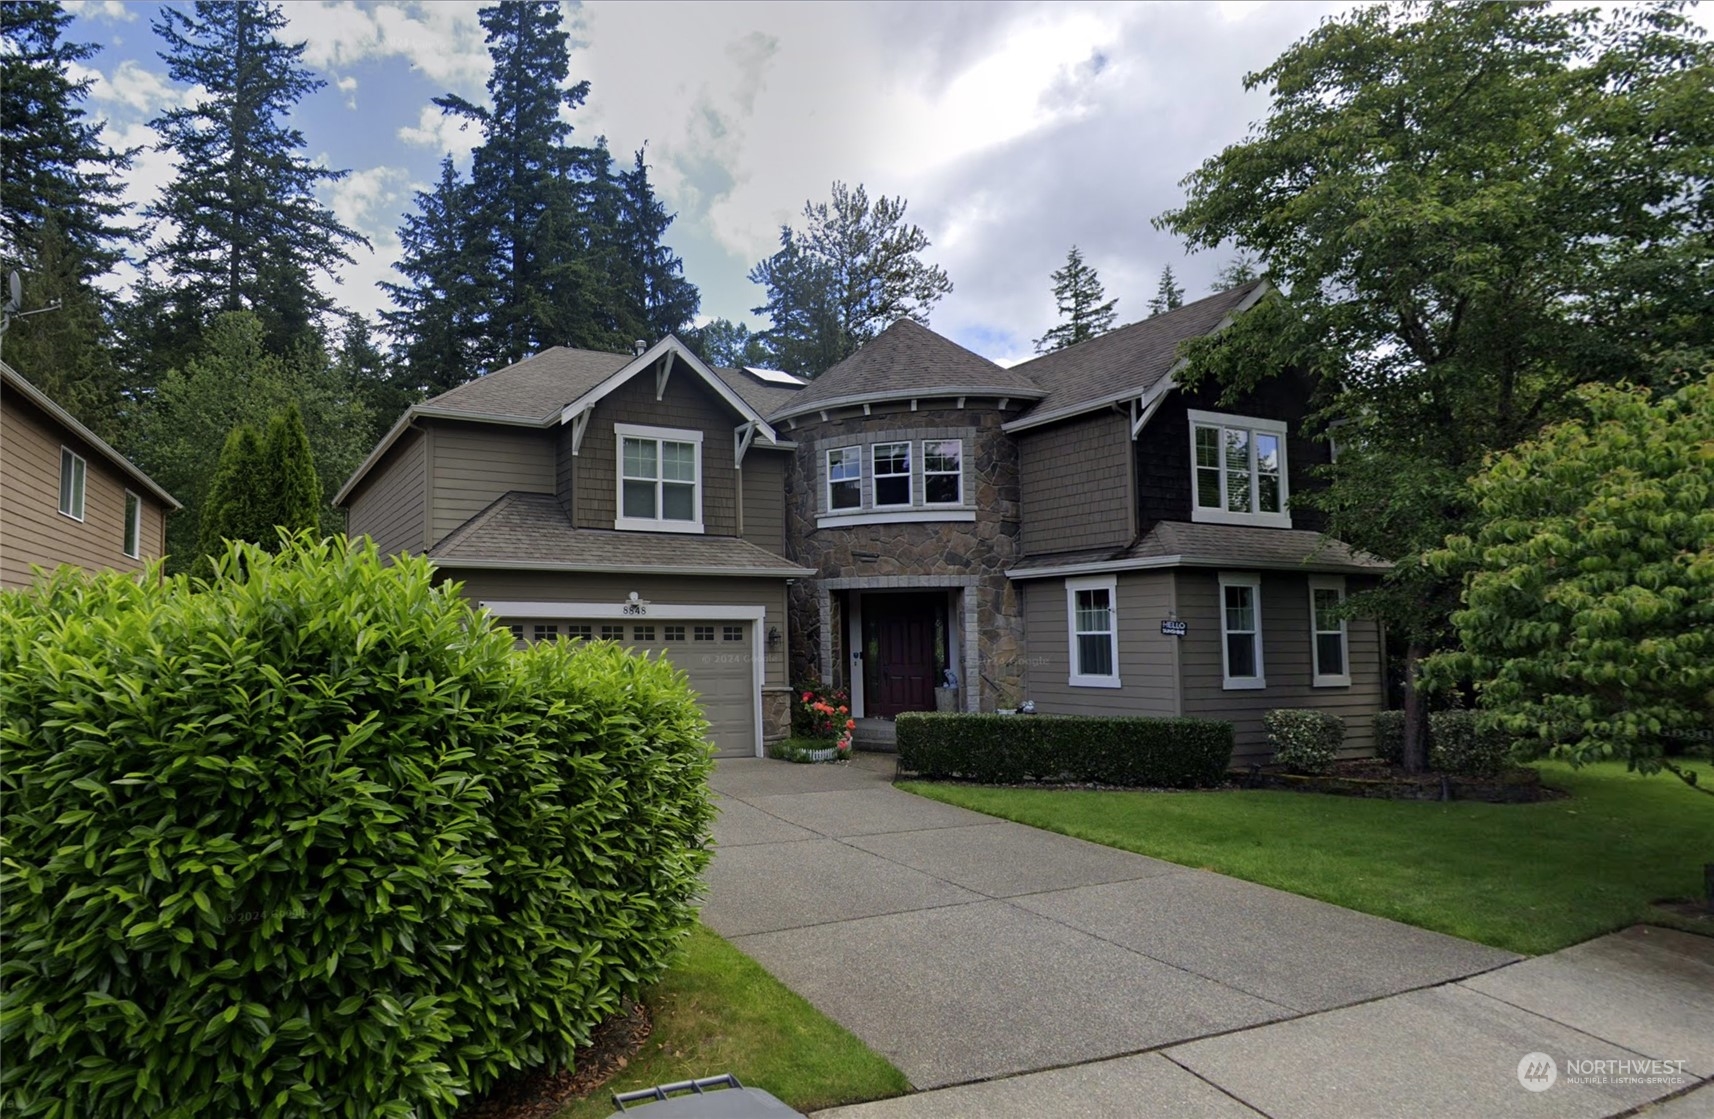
{"points": [[917, 524], [631, 497], [66, 497]]}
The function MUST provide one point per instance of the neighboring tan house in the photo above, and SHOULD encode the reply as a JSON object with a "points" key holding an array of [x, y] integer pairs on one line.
{"points": [[1076, 530], [633, 497], [66, 497]]}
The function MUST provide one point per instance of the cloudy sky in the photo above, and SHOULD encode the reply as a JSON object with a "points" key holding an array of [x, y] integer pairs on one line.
{"points": [[1015, 130]]}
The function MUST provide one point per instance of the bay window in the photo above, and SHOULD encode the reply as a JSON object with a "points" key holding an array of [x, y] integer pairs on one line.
{"points": [[845, 478], [892, 474], [942, 471]]}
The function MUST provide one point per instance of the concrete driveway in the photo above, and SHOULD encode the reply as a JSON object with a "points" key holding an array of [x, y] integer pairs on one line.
{"points": [[965, 948]]}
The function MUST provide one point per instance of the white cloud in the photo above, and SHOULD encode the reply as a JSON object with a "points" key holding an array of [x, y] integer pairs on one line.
{"points": [[115, 10], [435, 129], [443, 39], [135, 87]]}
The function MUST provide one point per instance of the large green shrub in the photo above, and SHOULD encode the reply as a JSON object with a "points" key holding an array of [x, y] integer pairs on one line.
{"points": [[1466, 743], [1390, 736], [312, 840], [1002, 749], [1304, 740]]}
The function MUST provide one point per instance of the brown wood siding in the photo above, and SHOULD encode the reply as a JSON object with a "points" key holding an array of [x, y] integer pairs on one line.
{"points": [[1073, 484], [688, 404], [1146, 668], [1287, 664], [472, 464], [390, 508], [764, 476], [688, 590], [565, 474], [32, 529]]}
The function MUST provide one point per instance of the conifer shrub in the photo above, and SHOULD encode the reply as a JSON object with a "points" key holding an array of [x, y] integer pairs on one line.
{"points": [[310, 839]]}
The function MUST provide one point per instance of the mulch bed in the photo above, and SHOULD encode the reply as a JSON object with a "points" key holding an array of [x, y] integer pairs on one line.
{"points": [[540, 1094], [1371, 777]]}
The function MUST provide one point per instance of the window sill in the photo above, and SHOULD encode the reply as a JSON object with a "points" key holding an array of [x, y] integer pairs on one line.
{"points": [[1331, 682], [1256, 520], [1093, 681], [899, 516], [71, 516], [633, 524], [1245, 685]]}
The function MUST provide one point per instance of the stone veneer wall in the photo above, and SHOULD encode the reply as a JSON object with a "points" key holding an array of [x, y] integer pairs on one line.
{"points": [[970, 556]]}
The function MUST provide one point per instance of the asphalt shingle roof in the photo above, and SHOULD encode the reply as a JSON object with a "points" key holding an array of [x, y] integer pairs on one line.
{"points": [[909, 357], [1128, 360], [1225, 545], [531, 529]]}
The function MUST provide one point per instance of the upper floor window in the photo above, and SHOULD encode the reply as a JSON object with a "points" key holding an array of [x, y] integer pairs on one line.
{"points": [[660, 478], [943, 471], [72, 473], [1238, 469], [845, 478], [892, 474], [133, 525]]}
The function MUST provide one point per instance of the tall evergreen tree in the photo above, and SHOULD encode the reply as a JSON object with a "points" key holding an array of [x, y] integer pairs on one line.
{"points": [[293, 491], [436, 322], [853, 271], [52, 159], [728, 345], [1236, 272], [1168, 295], [667, 301], [1083, 313], [247, 231], [236, 505]]}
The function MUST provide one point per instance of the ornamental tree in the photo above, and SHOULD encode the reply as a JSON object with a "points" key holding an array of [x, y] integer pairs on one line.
{"points": [[1588, 617]]}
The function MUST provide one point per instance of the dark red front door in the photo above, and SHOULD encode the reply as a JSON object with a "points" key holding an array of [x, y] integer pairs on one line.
{"points": [[902, 636]]}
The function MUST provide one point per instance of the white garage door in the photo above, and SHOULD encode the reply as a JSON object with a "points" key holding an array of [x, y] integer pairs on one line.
{"points": [[715, 655]]}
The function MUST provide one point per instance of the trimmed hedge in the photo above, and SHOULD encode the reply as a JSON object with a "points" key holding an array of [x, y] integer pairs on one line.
{"points": [[311, 840], [1390, 736], [1006, 749], [1305, 740], [1464, 742]]}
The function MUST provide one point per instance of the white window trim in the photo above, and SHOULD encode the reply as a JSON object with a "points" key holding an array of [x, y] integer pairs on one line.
{"points": [[1256, 425], [897, 516], [875, 476], [827, 480], [1320, 679], [77, 460], [1110, 584], [922, 445], [670, 435], [1227, 681], [134, 524]]}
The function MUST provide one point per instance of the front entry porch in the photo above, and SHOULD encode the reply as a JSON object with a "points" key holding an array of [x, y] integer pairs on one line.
{"points": [[890, 640]]}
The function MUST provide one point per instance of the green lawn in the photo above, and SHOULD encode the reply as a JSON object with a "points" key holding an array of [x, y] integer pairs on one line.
{"points": [[718, 1011], [1528, 877]]}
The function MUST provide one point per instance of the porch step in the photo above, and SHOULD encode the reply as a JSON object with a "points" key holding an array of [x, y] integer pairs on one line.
{"points": [[876, 734]]}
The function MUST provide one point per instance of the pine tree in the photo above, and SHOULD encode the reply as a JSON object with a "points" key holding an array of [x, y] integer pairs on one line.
{"points": [[1237, 272], [293, 492], [1077, 292], [236, 505], [852, 272], [667, 301], [248, 232], [436, 321], [1168, 296], [53, 161]]}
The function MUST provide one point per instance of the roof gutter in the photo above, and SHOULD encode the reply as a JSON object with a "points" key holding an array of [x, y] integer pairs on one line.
{"points": [[787, 572], [798, 408], [1100, 567]]}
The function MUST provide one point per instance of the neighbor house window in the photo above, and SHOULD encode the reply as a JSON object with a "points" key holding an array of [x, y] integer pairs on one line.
{"points": [[1241, 631], [943, 471], [659, 475], [72, 470], [1327, 631], [892, 474], [1238, 468], [845, 478], [1094, 629], [133, 525]]}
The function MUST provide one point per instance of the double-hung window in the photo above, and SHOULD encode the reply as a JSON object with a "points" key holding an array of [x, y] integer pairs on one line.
{"points": [[1094, 630], [1238, 470], [133, 525], [892, 474], [1241, 631], [72, 475], [845, 478], [942, 471], [660, 479], [1327, 631]]}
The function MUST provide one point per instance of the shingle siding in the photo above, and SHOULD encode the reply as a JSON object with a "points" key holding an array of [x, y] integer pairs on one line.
{"points": [[390, 507], [1146, 659], [764, 477], [1286, 663], [470, 465], [32, 529], [1073, 484], [689, 404]]}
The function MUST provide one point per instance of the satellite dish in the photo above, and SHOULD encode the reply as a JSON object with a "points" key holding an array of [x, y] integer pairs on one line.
{"points": [[14, 292]]}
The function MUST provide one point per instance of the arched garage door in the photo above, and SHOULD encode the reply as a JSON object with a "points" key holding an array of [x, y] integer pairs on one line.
{"points": [[717, 656]]}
